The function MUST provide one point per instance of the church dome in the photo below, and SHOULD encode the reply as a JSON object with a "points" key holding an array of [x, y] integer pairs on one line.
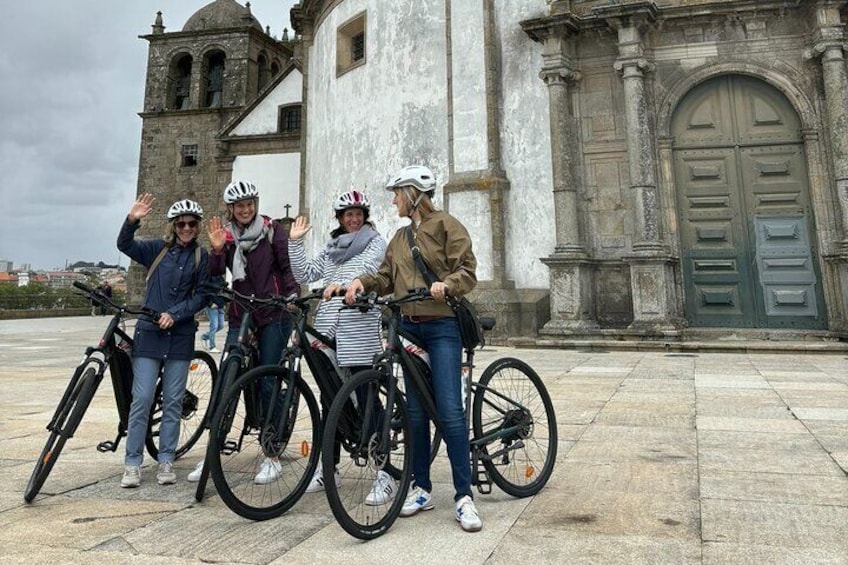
{"points": [[221, 14]]}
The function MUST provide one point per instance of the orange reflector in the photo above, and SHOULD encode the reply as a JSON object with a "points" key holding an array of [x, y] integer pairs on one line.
{"points": [[304, 448], [46, 457], [193, 367], [529, 472]]}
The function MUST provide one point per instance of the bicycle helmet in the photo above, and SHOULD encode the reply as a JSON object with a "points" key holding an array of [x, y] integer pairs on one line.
{"points": [[352, 199], [185, 208], [239, 190], [416, 176]]}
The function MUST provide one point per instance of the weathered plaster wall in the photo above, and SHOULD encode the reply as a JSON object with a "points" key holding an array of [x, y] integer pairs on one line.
{"points": [[525, 146], [276, 176], [469, 86], [263, 118], [374, 119]]}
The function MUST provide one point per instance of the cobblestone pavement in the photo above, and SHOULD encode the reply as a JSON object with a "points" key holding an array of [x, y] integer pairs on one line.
{"points": [[702, 458]]}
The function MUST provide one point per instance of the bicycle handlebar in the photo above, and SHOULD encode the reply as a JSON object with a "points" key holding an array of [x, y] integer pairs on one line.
{"points": [[100, 298]]}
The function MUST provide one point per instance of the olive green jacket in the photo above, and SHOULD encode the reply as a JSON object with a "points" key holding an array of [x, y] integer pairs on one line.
{"points": [[446, 248]]}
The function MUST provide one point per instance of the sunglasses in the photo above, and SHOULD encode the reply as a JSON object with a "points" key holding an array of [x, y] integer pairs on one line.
{"points": [[190, 224]]}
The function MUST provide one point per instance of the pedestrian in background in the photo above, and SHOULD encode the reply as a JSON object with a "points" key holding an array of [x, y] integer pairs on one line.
{"points": [[215, 312]]}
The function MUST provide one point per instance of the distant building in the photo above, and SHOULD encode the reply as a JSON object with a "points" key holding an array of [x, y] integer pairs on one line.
{"points": [[8, 278], [64, 279], [5, 266]]}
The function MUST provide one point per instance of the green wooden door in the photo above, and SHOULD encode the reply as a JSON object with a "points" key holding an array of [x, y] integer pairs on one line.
{"points": [[743, 209]]}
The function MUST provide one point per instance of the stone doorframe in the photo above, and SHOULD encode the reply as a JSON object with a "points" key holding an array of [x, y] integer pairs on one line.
{"points": [[828, 237]]}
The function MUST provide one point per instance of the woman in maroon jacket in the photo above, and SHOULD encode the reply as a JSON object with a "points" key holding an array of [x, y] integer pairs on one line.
{"points": [[255, 250]]}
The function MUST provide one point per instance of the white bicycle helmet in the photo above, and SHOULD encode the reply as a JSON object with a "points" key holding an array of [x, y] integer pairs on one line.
{"points": [[185, 208], [416, 176], [239, 190], [351, 199]]}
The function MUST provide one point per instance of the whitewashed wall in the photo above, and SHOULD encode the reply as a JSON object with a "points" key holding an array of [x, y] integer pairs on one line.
{"points": [[525, 146], [390, 112], [263, 118], [276, 176]]}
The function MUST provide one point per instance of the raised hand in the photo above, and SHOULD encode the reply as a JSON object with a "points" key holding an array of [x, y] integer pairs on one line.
{"points": [[217, 234], [299, 228], [142, 207]]}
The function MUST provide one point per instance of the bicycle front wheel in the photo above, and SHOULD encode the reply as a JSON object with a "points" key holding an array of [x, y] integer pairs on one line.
{"points": [[372, 475], [67, 419], [266, 436], [515, 425], [202, 374]]}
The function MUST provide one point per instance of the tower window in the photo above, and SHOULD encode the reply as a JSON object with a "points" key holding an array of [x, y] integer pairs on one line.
{"points": [[289, 119], [351, 45], [214, 80], [189, 156], [181, 83], [264, 70]]}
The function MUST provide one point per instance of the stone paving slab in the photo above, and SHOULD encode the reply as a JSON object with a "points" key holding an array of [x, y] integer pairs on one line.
{"points": [[662, 458]]}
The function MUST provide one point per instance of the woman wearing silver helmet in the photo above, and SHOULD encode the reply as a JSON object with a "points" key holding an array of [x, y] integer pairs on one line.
{"points": [[446, 249], [354, 248], [177, 268]]}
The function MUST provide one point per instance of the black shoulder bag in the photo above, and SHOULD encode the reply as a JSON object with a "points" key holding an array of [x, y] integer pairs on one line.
{"points": [[470, 329]]}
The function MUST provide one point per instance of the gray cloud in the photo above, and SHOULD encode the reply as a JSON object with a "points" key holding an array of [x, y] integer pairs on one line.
{"points": [[73, 82]]}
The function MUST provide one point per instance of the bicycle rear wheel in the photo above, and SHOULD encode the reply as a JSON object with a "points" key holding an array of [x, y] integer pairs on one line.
{"points": [[514, 417], [202, 374], [65, 424], [357, 426], [280, 433]]}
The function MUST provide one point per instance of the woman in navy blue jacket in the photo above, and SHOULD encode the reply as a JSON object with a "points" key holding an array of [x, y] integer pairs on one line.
{"points": [[179, 270]]}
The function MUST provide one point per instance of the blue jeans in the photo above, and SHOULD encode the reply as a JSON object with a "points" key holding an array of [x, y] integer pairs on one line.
{"points": [[145, 373], [216, 324], [272, 340], [441, 339]]}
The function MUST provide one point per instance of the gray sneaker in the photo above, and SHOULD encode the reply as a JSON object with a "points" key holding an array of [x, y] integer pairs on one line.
{"points": [[166, 474], [132, 476], [466, 515]]}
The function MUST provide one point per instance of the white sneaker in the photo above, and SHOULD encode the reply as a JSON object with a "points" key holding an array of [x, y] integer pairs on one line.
{"points": [[317, 482], [132, 476], [269, 472], [418, 500], [382, 491], [466, 515], [214, 349], [194, 476]]}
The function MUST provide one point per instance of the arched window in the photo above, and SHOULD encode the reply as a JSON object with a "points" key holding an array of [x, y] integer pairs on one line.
{"points": [[264, 71], [275, 68], [214, 91], [180, 96]]}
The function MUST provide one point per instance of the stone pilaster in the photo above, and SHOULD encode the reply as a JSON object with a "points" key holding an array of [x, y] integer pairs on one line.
{"points": [[829, 46]]}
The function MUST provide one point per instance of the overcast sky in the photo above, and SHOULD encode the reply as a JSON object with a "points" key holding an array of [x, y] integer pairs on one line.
{"points": [[72, 75]]}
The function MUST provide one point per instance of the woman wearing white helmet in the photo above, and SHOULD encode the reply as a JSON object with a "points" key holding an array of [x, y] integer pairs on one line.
{"points": [[177, 268], [446, 249], [354, 248], [255, 250]]}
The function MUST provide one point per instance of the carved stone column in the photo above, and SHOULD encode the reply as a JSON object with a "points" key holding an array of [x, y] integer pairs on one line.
{"points": [[571, 270], [829, 44]]}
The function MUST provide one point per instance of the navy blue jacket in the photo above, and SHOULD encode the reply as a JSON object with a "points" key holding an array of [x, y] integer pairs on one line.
{"points": [[173, 288]]}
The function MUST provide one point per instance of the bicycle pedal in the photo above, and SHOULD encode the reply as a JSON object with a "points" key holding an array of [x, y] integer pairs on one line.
{"points": [[229, 448], [106, 446], [484, 484]]}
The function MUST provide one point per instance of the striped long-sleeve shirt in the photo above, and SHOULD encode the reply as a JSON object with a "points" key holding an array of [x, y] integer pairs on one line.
{"points": [[357, 334]]}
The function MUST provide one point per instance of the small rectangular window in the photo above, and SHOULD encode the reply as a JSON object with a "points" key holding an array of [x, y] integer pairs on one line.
{"points": [[289, 119], [351, 44], [189, 156]]}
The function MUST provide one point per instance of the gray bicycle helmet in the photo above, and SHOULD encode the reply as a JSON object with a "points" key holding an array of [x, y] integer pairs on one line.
{"points": [[416, 176], [185, 208], [239, 190]]}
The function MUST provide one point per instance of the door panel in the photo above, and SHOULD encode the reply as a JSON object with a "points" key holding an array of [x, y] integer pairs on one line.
{"points": [[745, 219]]}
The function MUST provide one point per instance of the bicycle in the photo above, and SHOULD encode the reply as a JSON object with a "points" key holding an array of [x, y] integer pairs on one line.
{"points": [[112, 354], [513, 425]]}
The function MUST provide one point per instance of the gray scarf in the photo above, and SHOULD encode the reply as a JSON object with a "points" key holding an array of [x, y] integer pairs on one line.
{"points": [[246, 241], [348, 245]]}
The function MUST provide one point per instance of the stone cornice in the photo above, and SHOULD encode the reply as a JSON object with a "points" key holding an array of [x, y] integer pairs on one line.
{"points": [[563, 25]]}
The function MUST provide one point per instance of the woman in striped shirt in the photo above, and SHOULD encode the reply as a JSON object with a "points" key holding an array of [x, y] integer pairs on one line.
{"points": [[354, 248]]}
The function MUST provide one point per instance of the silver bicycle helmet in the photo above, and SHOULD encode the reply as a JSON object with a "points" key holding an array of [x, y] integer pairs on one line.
{"points": [[239, 190], [351, 199], [185, 208], [417, 176]]}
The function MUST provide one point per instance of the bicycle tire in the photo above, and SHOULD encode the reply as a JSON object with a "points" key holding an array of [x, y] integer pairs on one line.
{"points": [[360, 460], [229, 372], [248, 435], [202, 373], [67, 421], [515, 396]]}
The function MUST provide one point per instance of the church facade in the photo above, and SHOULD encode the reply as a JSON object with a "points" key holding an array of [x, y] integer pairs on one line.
{"points": [[645, 168]]}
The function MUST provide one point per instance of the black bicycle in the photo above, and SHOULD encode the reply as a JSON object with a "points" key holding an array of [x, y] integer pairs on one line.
{"points": [[513, 426], [112, 354]]}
